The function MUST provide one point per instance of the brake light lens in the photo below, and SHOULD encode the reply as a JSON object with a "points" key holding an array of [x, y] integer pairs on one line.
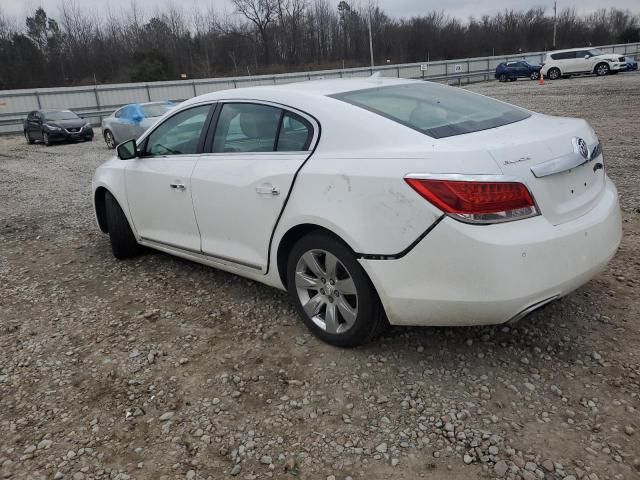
{"points": [[476, 201]]}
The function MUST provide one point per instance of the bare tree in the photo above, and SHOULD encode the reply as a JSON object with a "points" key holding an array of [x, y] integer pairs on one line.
{"points": [[261, 13]]}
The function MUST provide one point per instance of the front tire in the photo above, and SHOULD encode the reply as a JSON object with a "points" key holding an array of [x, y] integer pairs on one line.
{"points": [[553, 74], [332, 293], [46, 139], [534, 76], [123, 242], [27, 137], [109, 139], [602, 69], [503, 78]]}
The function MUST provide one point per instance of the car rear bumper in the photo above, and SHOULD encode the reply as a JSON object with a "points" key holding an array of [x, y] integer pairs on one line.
{"points": [[462, 274]]}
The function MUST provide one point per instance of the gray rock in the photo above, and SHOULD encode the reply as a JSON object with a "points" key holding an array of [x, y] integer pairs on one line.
{"points": [[501, 468], [382, 448], [166, 416]]}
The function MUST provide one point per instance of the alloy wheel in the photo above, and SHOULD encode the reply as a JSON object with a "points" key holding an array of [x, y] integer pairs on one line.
{"points": [[108, 137], [535, 75], [602, 69], [554, 74], [326, 291]]}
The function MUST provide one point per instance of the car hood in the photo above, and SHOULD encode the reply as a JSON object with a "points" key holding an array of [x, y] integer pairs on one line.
{"points": [[67, 123]]}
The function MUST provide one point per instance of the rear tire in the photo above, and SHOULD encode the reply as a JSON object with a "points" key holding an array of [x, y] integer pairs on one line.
{"points": [[123, 242], [342, 306], [602, 69], [109, 139], [553, 73], [28, 138]]}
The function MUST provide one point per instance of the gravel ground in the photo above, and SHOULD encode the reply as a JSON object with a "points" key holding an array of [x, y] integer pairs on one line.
{"points": [[159, 368]]}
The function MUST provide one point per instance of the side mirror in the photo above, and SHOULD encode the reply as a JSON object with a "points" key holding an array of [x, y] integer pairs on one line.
{"points": [[127, 150], [587, 57]]}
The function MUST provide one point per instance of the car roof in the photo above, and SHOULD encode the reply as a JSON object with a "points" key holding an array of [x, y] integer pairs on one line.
{"points": [[571, 50], [301, 90]]}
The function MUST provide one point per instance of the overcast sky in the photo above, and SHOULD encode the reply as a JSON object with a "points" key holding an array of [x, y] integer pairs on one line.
{"points": [[462, 9]]}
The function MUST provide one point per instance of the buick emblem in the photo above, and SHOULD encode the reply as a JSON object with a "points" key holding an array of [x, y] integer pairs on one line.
{"points": [[581, 147]]}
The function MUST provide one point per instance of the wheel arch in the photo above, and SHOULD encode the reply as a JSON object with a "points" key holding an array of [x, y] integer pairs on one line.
{"points": [[290, 238], [99, 202]]}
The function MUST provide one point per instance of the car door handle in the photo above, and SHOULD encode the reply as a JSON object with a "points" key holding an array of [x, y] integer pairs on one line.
{"points": [[178, 186], [267, 189]]}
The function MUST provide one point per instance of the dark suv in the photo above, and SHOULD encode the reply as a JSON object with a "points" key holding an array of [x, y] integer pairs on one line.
{"points": [[509, 71], [56, 126]]}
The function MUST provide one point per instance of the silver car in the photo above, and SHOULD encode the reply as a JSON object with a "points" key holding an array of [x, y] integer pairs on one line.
{"points": [[131, 121]]}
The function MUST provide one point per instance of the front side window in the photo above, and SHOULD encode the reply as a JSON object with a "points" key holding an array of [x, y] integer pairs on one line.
{"points": [[179, 134], [435, 110]]}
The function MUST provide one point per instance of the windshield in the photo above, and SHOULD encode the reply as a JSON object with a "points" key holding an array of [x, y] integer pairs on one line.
{"points": [[435, 110], [594, 52], [156, 109], [63, 115]]}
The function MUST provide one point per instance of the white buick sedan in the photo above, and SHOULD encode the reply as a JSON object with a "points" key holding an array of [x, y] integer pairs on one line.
{"points": [[370, 201]]}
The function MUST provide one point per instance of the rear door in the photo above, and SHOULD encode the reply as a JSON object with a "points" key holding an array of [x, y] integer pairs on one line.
{"points": [[240, 187], [522, 69], [575, 62], [583, 64], [158, 183]]}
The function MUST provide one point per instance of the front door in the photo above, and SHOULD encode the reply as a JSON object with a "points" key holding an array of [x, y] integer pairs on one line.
{"points": [[239, 189], [159, 181]]}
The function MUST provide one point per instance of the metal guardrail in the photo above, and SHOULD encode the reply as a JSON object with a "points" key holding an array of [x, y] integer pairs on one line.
{"points": [[98, 101]]}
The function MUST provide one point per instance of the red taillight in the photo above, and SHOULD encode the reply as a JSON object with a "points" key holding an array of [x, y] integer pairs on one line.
{"points": [[475, 201]]}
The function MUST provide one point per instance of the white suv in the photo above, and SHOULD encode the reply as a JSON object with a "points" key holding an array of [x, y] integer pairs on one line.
{"points": [[581, 60]]}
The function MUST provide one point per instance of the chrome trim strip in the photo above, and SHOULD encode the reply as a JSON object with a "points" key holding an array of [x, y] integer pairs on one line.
{"points": [[565, 162], [531, 309], [150, 242]]}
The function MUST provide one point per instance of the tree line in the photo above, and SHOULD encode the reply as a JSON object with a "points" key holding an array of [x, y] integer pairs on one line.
{"points": [[76, 47]]}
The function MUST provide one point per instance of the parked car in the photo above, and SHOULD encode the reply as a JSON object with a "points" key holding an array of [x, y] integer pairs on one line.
{"points": [[580, 61], [50, 126], [509, 71], [632, 63], [131, 121], [370, 200]]}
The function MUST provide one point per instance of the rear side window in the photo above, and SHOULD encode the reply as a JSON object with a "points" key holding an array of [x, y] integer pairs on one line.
{"points": [[295, 134], [435, 110], [244, 127], [153, 110], [563, 55], [255, 128]]}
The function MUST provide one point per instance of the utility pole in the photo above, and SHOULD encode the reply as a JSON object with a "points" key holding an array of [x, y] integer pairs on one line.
{"points": [[555, 21], [370, 40]]}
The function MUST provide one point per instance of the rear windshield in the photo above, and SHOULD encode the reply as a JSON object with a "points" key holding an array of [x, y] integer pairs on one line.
{"points": [[435, 110], [63, 115], [156, 109]]}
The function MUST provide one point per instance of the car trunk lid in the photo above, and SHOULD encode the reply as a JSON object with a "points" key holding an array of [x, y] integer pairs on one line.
{"points": [[542, 152]]}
